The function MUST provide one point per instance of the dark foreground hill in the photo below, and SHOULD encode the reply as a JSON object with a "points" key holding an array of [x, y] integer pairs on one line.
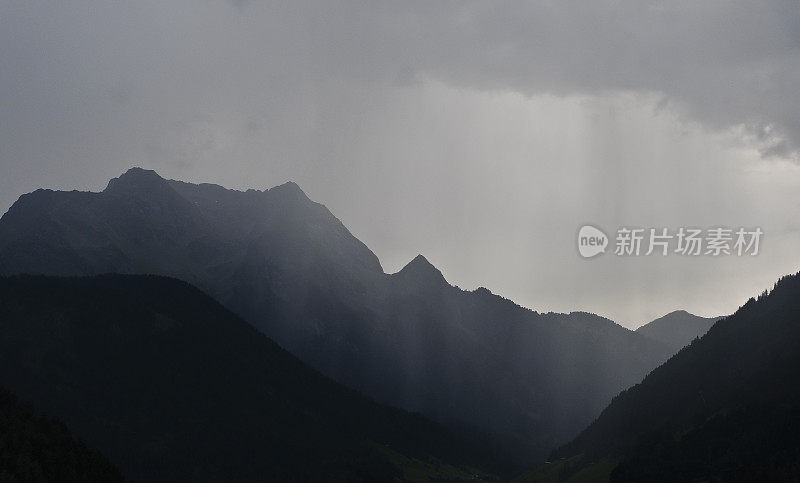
{"points": [[171, 386], [725, 407], [38, 447], [677, 329], [523, 380]]}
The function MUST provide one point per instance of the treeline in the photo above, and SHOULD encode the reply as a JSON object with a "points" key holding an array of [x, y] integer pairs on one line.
{"points": [[37, 447]]}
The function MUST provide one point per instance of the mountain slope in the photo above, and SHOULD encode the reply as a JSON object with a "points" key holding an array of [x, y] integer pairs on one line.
{"points": [[727, 406], [523, 380], [37, 447], [677, 329], [173, 387]]}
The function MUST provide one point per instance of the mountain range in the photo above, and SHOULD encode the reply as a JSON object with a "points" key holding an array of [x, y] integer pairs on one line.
{"points": [[725, 408], [490, 369], [288, 368]]}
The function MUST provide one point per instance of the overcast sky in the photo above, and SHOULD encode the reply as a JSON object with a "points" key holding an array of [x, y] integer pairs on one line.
{"points": [[481, 135]]}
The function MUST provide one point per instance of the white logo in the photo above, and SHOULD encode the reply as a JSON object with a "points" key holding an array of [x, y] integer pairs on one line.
{"points": [[685, 241], [591, 241]]}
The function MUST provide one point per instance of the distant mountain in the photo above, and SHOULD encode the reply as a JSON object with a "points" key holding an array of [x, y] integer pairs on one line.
{"points": [[171, 386], [523, 380], [727, 407], [37, 447], [677, 329]]}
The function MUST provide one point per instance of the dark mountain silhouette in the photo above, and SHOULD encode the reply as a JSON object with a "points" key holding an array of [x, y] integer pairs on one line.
{"points": [[727, 407], [38, 447], [524, 380], [173, 387], [677, 329]]}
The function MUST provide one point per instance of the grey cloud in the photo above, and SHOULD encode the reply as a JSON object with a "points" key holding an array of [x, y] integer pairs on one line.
{"points": [[722, 63], [461, 130]]}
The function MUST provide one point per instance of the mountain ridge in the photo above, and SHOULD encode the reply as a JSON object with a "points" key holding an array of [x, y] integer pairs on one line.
{"points": [[288, 266], [174, 387], [720, 408], [677, 328]]}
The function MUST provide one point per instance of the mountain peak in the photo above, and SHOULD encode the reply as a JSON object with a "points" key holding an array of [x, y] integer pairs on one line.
{"points": [[682, 316], [678, 312], [136, 178], [420, 261], [150, 193], [289, 188], [677, 328], [421, 269]]}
